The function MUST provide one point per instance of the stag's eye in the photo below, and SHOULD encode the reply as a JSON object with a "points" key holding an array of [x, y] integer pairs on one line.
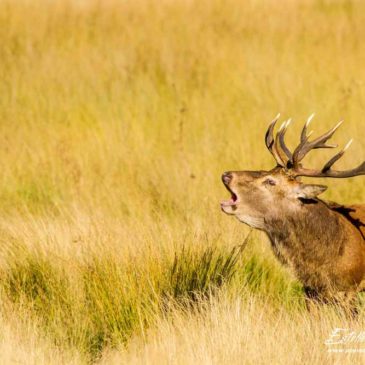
{"points": [[270, 182]]}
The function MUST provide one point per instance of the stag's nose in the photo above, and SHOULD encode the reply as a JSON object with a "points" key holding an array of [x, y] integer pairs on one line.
{"points": [[227, 177]]}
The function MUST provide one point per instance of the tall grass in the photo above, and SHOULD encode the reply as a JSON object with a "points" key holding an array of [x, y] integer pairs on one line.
{"points": [[104, 301], [117, 119]]}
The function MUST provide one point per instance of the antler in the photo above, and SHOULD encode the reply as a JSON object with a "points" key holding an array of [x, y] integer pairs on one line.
{"points": [[291, 161], [305, 146], [276, 145]]}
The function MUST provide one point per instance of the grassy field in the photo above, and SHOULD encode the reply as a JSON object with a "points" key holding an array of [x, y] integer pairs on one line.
{"points": [[117, 120]]}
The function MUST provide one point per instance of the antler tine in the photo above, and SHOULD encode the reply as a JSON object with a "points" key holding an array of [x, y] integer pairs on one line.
{"points": [[280, 145], [270, 142], [334, 159], [269, 136], [303, 136], [320, 142], [305, 146]]}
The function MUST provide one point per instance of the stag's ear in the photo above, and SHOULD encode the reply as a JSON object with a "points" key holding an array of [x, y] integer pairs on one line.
{"points": [[309, 191]]}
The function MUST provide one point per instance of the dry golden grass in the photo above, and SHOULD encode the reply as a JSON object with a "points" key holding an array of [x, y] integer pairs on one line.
{"points": [[117, 120], [239, 332]]}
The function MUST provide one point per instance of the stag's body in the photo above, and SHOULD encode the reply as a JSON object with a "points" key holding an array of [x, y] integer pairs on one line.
{"points": [[324, 243]]}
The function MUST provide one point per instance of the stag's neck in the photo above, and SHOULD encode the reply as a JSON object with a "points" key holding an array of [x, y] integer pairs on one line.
{"points": [[314, 234]]}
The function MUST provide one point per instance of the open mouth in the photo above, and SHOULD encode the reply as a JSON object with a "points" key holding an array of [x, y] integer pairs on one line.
{"points": [[230, 202]]}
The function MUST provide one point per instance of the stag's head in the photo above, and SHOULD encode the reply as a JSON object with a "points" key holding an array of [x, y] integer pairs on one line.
{"points": [[258, 196]]}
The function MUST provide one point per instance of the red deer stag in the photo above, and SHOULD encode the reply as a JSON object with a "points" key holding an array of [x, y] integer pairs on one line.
{"points": [[324, 243]]}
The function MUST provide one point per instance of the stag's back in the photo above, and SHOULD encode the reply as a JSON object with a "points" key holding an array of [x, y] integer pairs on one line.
{"points": [[357, 215], [354, 213]]}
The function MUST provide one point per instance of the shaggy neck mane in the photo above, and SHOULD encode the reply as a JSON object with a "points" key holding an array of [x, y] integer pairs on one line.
{"points": [[309, 236]]}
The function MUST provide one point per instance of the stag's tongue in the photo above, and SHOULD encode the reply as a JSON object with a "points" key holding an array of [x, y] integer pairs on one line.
{"points": [[229, 202]]}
